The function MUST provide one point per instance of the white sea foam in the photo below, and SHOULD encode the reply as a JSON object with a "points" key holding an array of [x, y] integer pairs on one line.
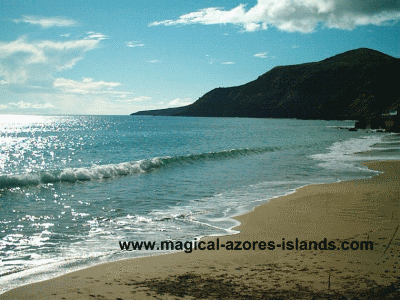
{"points": [[340, 155]]}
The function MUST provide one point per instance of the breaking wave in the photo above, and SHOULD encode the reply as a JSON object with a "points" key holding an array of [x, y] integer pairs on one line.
{"points": [[99, 172]]}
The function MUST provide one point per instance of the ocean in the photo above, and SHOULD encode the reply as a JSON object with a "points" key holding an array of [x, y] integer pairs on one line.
{"points": [[72, 187]]}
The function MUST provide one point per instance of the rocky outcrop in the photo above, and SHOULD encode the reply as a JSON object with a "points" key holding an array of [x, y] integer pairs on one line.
{"points": [[387, 122]]}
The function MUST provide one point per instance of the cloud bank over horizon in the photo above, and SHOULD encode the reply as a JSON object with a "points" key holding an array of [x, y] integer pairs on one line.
{"points": [[296, 15]]}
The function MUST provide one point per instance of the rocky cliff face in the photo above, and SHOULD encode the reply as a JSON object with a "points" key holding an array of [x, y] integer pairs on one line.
{"points": [[346, 86]]}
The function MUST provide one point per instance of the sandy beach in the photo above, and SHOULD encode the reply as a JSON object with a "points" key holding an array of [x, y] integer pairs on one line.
{"points": [[352, 211]]}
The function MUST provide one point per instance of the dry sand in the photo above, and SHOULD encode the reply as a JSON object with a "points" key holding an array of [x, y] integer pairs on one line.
{"points": [[359, 210]]}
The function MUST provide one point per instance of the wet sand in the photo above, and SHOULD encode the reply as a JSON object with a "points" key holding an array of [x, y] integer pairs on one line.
{"points": [[351, 211]]}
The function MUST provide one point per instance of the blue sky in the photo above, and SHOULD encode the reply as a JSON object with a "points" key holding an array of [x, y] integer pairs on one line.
{"points": [[118, 57]]}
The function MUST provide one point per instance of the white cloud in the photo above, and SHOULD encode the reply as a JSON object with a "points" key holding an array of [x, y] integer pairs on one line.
{"points": [[134, 44], [21, 60], [59, 102], [154, 61], [228, 63], [45, 22], [26, 105], [135, 99], [66, 35], [261, 55], [211, 15], [296, 15], [96, 36], [86, 86], [180, 102]]}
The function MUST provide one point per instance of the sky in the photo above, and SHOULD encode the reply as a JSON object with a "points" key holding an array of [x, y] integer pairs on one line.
{"points": [[118, 57]]}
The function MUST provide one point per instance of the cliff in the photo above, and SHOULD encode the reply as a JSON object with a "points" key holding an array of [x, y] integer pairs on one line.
{"points": [[346, 86]]}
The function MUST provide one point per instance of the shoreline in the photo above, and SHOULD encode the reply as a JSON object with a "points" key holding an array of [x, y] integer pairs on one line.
{"points": [[353, 208]]}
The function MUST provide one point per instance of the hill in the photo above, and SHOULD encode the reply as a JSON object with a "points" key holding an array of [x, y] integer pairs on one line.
{"points": [[349, 85]]}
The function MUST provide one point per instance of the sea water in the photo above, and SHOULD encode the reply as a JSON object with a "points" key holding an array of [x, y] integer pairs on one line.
{"points": [[72, 187]]}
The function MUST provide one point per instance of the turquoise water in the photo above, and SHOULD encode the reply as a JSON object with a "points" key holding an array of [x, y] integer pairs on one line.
{"points": [[72, 187]]}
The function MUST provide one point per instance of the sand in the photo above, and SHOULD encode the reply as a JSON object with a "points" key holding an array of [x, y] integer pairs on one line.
{"points": [[359, 210]]}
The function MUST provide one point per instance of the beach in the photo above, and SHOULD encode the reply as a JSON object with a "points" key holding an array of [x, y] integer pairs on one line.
{"points": [[358, 210], [146, 153]]}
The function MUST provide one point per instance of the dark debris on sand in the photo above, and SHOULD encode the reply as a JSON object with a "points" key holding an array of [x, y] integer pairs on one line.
{"points": [[202, 287]]}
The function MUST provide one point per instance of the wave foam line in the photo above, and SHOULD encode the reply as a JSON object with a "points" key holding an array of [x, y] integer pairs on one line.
{"points": [[99, 172]]}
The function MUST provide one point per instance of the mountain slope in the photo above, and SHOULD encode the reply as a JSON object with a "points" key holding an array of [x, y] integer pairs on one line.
{"points": [[346, 86]]}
